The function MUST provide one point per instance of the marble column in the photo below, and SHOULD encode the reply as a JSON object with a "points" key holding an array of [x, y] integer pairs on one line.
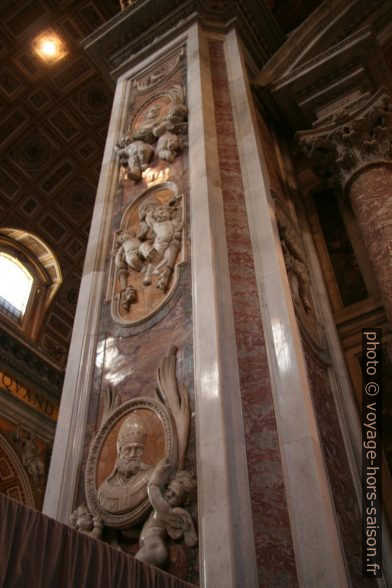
{"points": [[355, 151], [370, 196]]}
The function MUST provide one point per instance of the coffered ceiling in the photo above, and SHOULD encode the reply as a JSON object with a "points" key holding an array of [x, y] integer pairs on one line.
{"points": [[53, 122], [52, 132]]}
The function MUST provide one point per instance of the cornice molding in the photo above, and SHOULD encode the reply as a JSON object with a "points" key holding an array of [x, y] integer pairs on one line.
{"points": [[149, 24], [329, 24], [331, 60], [28, 365]]}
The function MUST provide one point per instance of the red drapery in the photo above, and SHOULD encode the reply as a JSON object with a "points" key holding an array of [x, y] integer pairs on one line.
{"points": [[38, 552]]}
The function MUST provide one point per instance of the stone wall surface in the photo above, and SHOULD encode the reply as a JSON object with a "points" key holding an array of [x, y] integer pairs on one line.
{"points": [[274, 549], [128, 356]]}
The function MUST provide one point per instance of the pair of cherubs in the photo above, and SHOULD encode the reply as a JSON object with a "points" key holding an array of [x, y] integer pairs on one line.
{"points": [[149, 251]]}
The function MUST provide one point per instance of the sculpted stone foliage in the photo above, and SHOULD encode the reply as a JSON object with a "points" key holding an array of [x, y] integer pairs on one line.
{"points": [[353, 141], [145, 441], [154, 132], [147, 253]]}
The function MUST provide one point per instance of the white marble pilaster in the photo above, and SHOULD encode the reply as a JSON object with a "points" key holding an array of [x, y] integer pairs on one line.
{"points": [[318, 552], [227, 552]]}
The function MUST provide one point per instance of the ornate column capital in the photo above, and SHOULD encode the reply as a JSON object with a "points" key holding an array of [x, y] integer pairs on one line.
{"points": [[352, 141]]}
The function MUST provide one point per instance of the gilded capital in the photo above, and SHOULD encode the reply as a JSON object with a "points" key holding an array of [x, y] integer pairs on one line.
{"points": [[352, 141]]}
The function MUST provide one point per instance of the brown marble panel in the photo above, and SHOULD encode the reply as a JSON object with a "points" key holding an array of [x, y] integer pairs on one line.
{"points": [[274, 549], [128, 357]]}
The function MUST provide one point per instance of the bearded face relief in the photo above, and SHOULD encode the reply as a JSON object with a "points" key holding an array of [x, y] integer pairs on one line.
{"points": [[147, 254], [125, 488], [129, 445]]}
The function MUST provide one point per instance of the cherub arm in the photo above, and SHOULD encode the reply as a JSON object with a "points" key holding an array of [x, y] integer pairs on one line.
{"points": [[154, 489], [98, 527], [158, 501]]}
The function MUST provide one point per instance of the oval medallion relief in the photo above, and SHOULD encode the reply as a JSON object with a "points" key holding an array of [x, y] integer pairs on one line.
{"points": [[147, 253]]}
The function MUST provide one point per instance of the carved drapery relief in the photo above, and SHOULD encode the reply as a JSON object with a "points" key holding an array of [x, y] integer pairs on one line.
{"points": [[352, 142], [135, 464], [154, 132], [146, 255]]}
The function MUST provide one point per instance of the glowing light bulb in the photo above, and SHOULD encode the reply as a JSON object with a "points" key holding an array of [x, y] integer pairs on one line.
{"points": [[49, 48]]}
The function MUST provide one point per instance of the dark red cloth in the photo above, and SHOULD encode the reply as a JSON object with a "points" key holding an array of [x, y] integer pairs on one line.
{"points": [[39, 552]]}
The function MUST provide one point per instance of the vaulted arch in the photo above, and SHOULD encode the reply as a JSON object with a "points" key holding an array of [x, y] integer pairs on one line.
{"points": [[24, 250]]}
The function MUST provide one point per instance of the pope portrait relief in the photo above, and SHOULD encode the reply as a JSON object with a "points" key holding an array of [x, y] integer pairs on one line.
{"points": [[125, 488]]}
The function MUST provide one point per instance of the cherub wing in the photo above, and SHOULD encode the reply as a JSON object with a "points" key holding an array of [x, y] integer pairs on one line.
{"points": [[182, 525]]}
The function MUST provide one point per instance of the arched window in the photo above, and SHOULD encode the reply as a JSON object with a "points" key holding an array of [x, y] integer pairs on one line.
{"points": [[15, 287], [30, 276]]}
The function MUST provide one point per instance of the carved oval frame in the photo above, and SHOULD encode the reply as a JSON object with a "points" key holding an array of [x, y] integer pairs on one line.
{"points": [[135, 516], [112, 295], [175, 96]]}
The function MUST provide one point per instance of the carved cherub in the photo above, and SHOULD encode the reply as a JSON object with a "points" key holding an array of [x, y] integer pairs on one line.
{"points": [[296, 268], [31, 459], [162, 234], [127, 256], [135, 157], [167, 518], [167, 227], [82, 520], [128, 297], [168, 147]]}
